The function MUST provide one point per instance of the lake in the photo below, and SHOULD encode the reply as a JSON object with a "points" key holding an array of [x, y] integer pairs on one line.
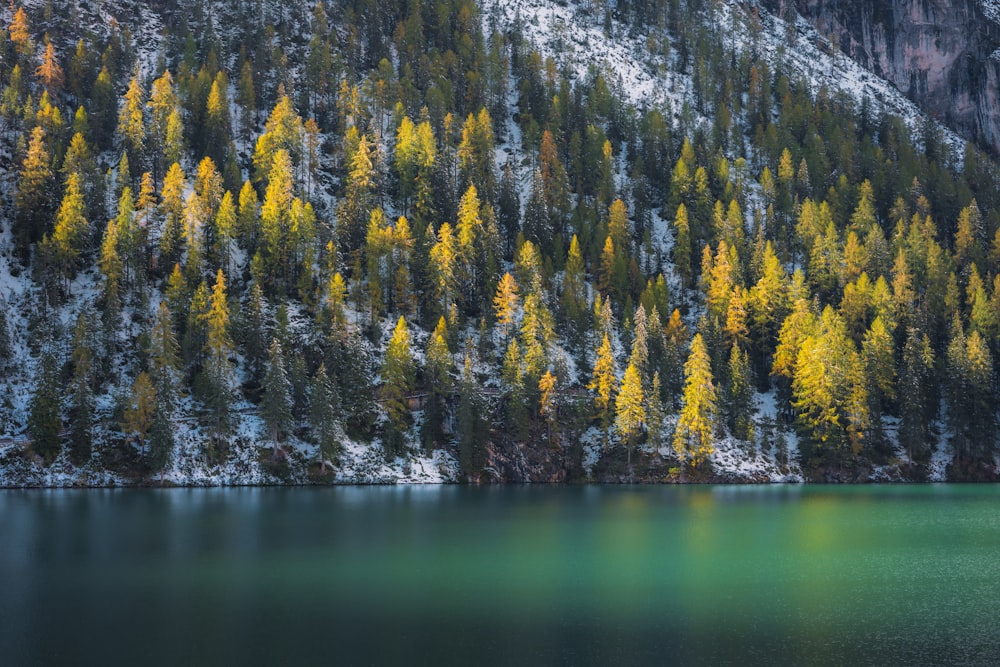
{"points": [[511, 575]]}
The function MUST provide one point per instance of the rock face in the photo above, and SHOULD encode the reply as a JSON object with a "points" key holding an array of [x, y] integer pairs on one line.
{"points": [[940, 53]]}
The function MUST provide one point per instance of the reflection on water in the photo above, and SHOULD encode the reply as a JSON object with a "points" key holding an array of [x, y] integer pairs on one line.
{"points": [[551, 575]]}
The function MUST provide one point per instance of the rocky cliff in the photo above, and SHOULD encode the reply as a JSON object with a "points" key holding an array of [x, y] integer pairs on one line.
{"points": [[941, 53]]}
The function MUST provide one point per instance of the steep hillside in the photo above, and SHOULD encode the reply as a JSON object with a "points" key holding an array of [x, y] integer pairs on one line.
{"points": [[675, 240], [939, 53]]}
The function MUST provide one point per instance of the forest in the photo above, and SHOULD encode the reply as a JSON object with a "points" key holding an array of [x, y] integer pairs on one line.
{"points": [[396, 223]]}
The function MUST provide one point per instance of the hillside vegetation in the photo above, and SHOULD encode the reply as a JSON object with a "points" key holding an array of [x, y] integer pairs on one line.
{"points": [[255, 241]]}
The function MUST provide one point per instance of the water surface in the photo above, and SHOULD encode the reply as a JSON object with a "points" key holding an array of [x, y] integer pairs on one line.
{"points": [[524, 575]]}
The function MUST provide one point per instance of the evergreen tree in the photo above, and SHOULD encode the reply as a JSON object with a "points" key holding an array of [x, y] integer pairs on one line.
{"points": [[137, 419], [471, 426], [217, 391], [603, 380], [161, 437], [693, 436], [439, 384], [630, 411], [132, 126], [739, 403], [33, 197], [82, 404], [918, 410], [276, 403], [655, 413], [398, 377], [324, 410], [44, 418], [71, 231]]}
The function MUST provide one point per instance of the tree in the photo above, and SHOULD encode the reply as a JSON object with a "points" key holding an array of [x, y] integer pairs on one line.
{"points": [[217, 392], [443, 259], [81, 403], [5, 346], [604, 379], [630, 413], [49, 73], [739, 399], [655, 413], [471, 426], [324, 410], [878, 355], [72, 229], [916, 384], [161, 437], [547, 400], [131, 124], [33, 196], [682, 245], [283, 131], [829, 391], [20, 34], [439, 383], [475, 154], [44, 418], [397, 377], [164, 357], [276, 403], [140, 410], [172, 210], [693, 436]]}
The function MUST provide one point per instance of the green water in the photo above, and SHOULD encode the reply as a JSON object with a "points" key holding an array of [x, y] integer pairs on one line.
{"points": [[513, 575]]}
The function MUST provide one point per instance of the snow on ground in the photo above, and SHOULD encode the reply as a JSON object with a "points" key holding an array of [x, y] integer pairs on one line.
{"points": [[838, 73], [593, 446], [570, 33], [942, 457], [744, 461], [992, 9]]}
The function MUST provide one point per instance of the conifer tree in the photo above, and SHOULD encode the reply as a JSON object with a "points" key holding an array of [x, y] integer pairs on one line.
{"points": [[398, 377], [439, 384], [444, 258], [630, 411], [5, 346], [71, 231], [655, 413], [693, 436], [508, 210], [547, 400], [44, 418], [276, 403], [172, 210], [218, 373], [49, 73], [132, 126], [739, 403], [81, 404], [138, 416], [20, 34], [324, 410], [470, 424], [603, 380], [878, 354], [161, 437], [32, 200], [682, 245], [164, 106], [573, 299], [918, 410], [164, 356]]}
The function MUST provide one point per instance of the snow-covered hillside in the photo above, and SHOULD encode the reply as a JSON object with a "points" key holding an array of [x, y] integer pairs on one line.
{"points": [[640, 66], [571, 34]]}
